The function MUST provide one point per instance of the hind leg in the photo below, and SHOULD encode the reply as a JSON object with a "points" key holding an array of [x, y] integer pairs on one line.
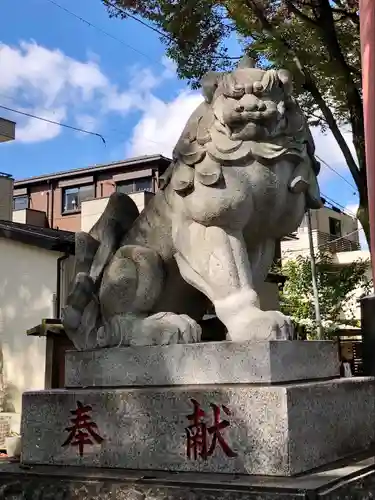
{"points": [[131, 285]]}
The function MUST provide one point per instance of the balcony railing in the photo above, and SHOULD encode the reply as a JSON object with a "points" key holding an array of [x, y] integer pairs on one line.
{"points": [[331, 243]]}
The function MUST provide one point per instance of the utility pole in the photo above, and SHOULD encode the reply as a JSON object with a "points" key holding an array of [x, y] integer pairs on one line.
{"points": [[313, 276]]}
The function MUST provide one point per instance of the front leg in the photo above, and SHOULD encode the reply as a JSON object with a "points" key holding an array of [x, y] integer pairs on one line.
{"points": [[215, 261]]}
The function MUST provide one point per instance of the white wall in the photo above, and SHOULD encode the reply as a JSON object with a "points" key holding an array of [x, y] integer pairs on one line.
{"points": [[91, 210], [19, 216], [27, 284], [353, 306]]}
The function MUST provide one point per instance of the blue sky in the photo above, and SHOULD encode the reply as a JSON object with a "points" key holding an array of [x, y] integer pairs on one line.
{"points": [[57, 67]]}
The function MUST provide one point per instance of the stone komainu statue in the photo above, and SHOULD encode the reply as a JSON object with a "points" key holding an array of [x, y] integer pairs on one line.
{"points": [[242, 176]]}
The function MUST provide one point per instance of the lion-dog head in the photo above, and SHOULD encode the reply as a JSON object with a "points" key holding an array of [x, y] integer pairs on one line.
{"points": [[248, 114]]}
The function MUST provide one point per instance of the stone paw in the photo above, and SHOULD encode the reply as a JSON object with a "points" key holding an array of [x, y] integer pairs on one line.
{"points": [[169, 328], [264, 325], [158, 329]]}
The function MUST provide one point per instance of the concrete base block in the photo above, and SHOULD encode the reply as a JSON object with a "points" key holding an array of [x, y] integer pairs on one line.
{"points": [[351, 479], [268, 430], [203, 363]]}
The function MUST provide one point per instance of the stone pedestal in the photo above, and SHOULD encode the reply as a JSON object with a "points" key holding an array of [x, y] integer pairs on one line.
{"points": [[219, 408], [368, 334], [206, 363]]}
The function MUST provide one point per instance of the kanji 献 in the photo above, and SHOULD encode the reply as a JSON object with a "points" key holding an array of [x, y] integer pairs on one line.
{"points": [[198, 433]]}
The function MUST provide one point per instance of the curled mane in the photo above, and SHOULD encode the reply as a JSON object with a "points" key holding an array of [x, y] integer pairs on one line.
{"points": [[204, 147]]}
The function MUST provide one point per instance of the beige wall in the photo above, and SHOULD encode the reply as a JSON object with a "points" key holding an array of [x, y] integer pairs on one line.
{"points": [[91, 210], [348, 224], [6, 197], [7, 130], [27, 285], [30, 216], [319, 224]]}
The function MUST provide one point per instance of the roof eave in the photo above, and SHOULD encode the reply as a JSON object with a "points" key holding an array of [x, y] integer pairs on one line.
{"points": [[94, 169]]}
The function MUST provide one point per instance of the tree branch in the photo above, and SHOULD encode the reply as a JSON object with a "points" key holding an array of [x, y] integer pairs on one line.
{"points": [[346, 14], [305, 18], [311, 87]]}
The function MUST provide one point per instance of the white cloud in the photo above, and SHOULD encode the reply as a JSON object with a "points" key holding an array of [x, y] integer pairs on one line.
{"points": [[31, 130], [60, 87], [50, 84], [86, 122], [161, 124]]}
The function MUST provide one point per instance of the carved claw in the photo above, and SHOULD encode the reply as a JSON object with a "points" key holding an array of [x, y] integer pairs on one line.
{"points": [[264, 325], [159, 329]]}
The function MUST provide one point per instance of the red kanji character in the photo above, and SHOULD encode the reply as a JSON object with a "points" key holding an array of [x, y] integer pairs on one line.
{"points": [[81, 430], [198, 433], [217, 436]]}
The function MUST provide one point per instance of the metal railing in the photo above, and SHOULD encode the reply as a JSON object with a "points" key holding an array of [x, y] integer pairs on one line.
{"points": [[331, 243]]}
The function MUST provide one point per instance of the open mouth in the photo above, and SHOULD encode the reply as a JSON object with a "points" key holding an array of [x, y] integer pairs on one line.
{"points": [[248, 130]]}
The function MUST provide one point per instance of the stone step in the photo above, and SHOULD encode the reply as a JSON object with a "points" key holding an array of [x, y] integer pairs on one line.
{"points": [[204, 363], [279, 430]]}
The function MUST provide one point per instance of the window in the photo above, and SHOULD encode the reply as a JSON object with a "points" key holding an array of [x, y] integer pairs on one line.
{"points": [[20, 202], [135, 185], [73, 197], [334, 226]]}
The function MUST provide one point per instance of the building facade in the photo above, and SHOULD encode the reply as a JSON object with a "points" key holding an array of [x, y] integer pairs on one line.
{"points": [[332, 230], [335, 232], [70, 200]]}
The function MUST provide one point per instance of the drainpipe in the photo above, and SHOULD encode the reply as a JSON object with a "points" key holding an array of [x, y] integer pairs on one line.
{"points": [[51, 223], [60, 260]]}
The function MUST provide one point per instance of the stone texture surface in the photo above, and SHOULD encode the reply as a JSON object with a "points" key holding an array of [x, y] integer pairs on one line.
{"points": [[354, 480], [277, 430], [203, 363], [242, 175]]}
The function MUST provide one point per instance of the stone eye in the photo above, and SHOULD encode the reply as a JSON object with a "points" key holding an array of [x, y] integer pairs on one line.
{"points": [[258, 87], [262, 106]]}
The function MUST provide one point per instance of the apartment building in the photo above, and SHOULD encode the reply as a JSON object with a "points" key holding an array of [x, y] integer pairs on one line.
{"points": [[332, 230], [338, 233], [74, 199]]}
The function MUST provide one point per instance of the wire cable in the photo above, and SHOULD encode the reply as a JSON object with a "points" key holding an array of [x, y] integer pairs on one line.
{"points": [[85, 21], [156, 30], [336, 172], [343, 209], [30, 115]]}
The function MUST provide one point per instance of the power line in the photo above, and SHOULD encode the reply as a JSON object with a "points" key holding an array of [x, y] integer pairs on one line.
{"points": [[118, 131], [336, 172], [344, 209], [156, 30], [102, 31], [30, 115]]}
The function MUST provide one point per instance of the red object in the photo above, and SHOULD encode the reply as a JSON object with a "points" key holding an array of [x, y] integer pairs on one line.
{"points": [[198, 433], [84, 430], [367, 24]]}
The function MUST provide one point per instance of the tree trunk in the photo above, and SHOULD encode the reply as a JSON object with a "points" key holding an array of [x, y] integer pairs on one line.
{"points": [[363, 210]]}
